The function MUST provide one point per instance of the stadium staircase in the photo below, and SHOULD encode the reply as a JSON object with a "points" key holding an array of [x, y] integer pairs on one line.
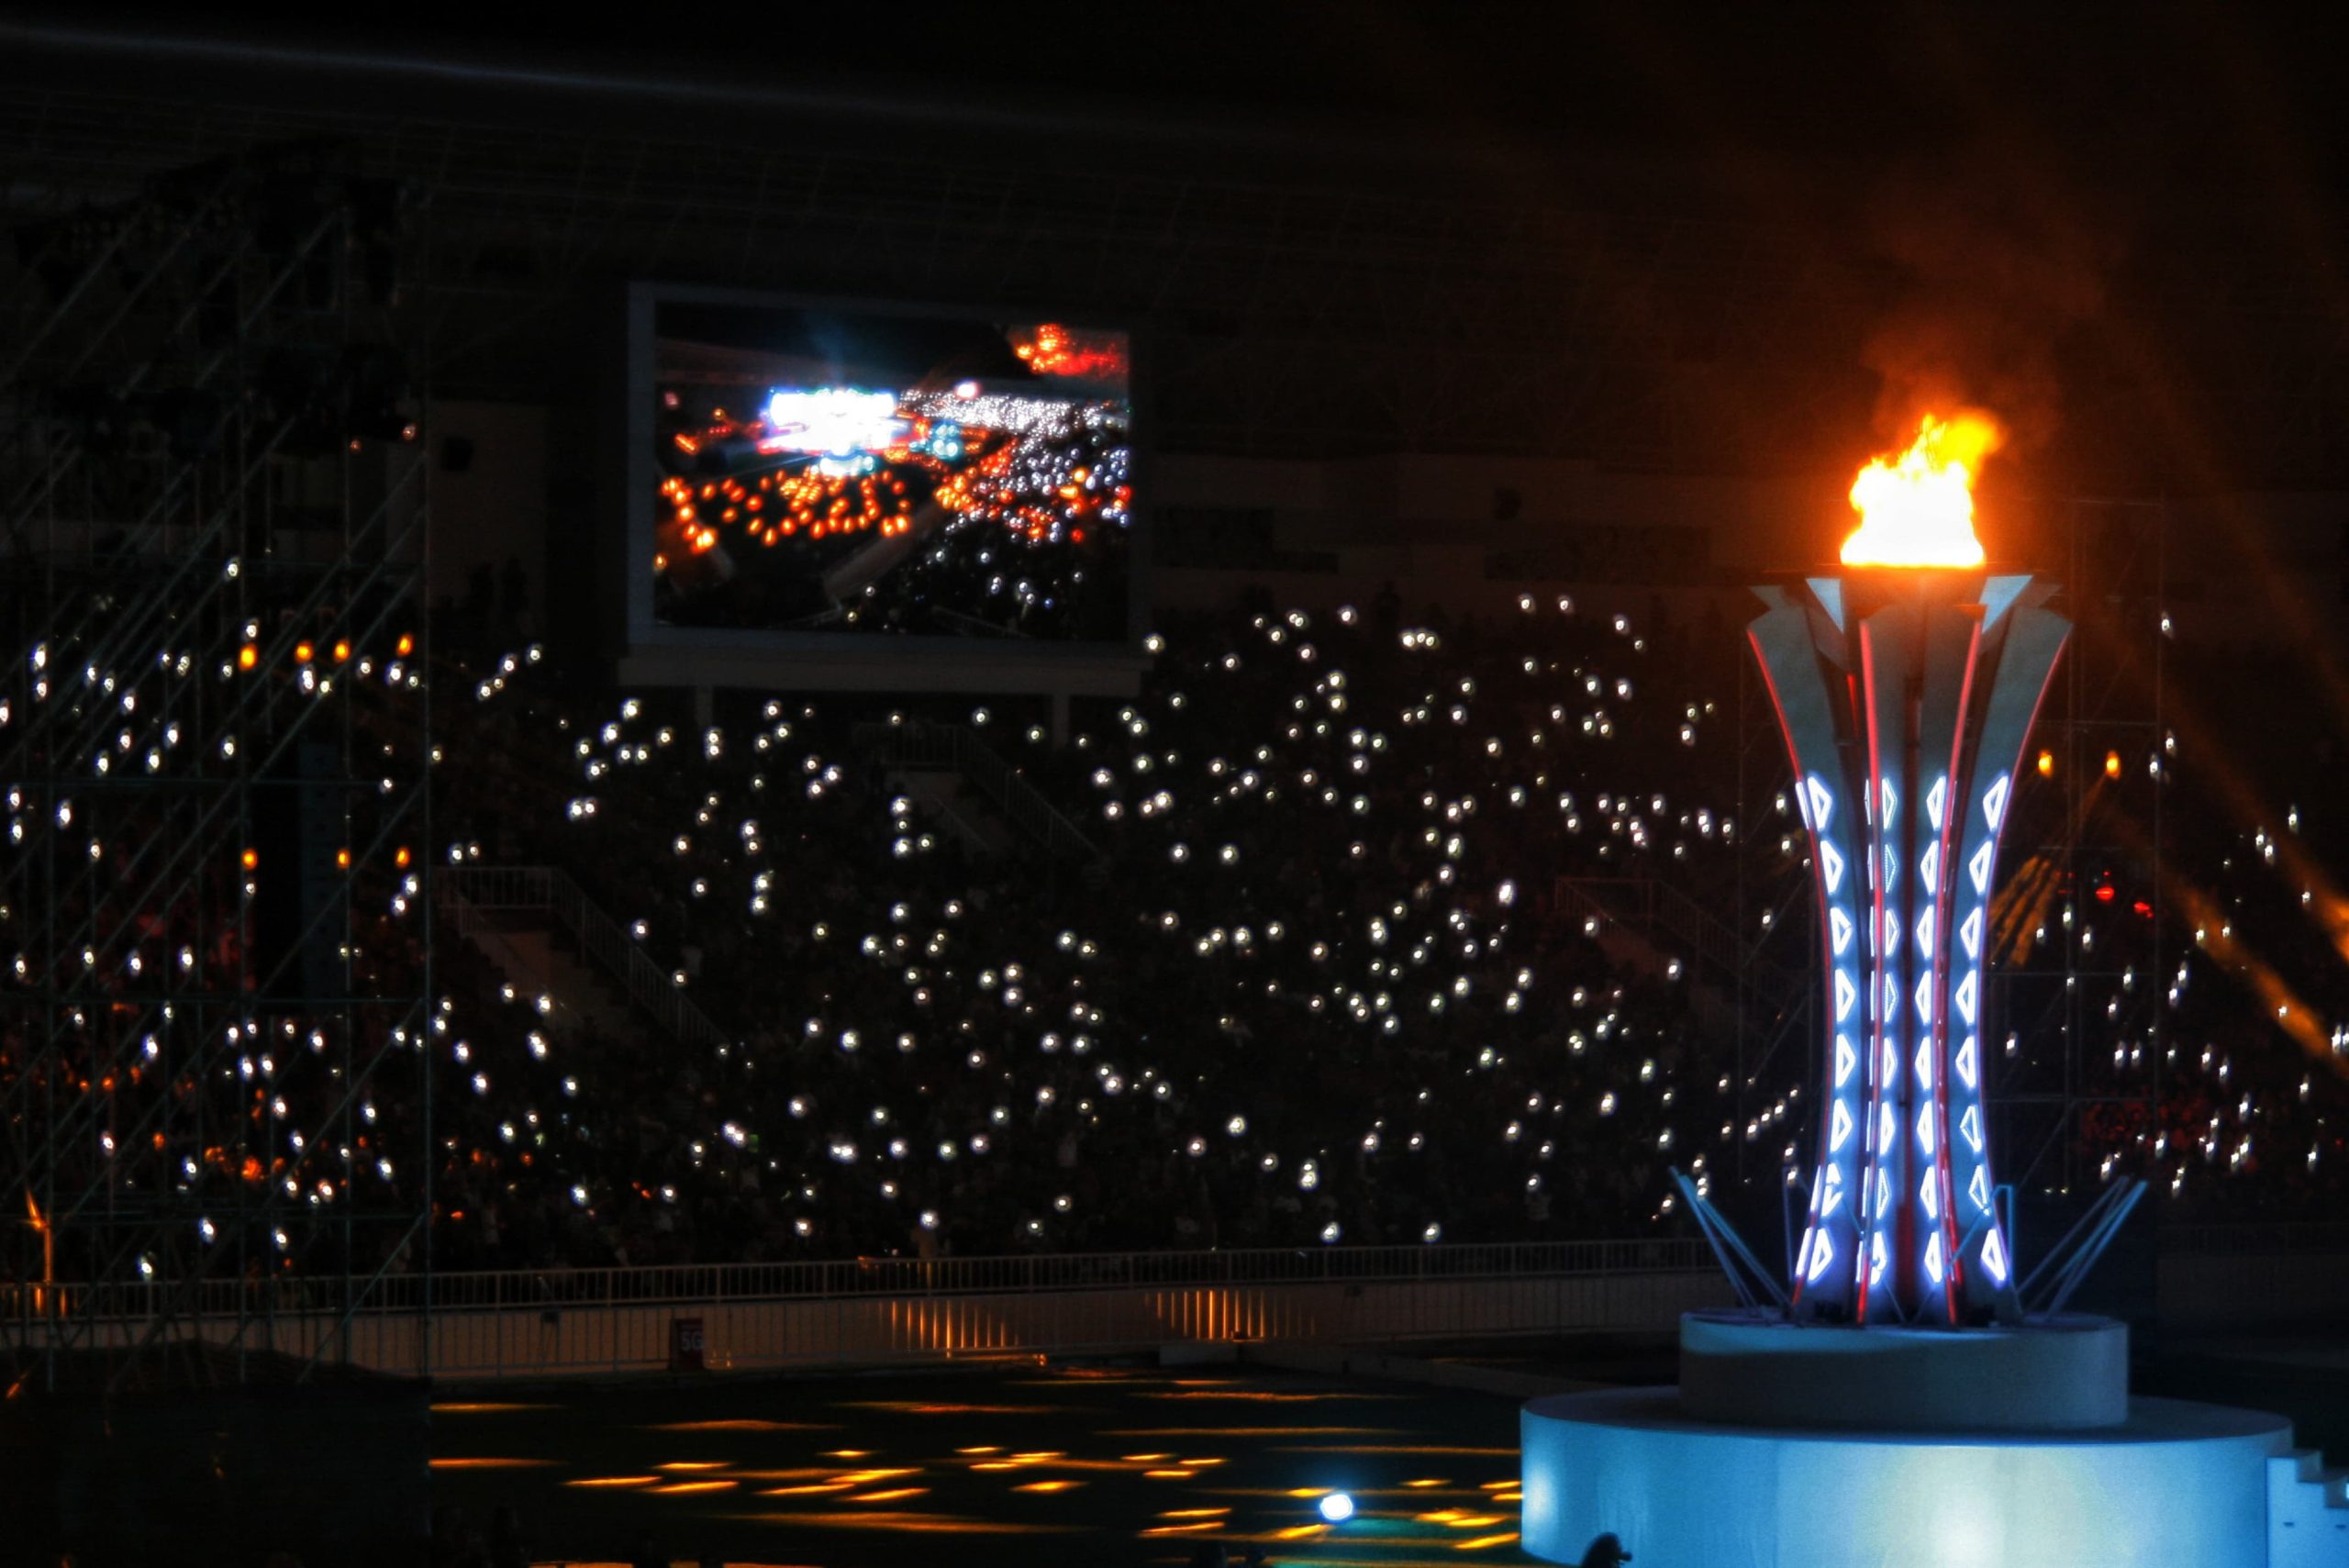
{"points": [[940, 795], [539, 928], [2307, 1511], [913, 749], [1644, 924], [520, 946]]}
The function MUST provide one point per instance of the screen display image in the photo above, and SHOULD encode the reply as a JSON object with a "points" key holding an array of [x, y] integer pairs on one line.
{"points": [[824, 469]]}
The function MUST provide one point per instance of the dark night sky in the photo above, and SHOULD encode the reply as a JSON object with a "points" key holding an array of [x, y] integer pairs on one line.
{"points": [[2158, 85], [2024, 188], [1743, 111]]}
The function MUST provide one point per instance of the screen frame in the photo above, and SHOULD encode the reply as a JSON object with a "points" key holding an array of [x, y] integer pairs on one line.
{"points": [[650, 645]]}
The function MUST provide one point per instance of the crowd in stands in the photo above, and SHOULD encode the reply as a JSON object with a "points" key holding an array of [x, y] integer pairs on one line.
{"points": [[1328, 979], [1317, 985], [2213, 998], [1346, 957]]}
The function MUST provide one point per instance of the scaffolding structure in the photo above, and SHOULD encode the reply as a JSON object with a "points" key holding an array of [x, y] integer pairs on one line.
{"points": [[213, 1080], [2070, 1002]]}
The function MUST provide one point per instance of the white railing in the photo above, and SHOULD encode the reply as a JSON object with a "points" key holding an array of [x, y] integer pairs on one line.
{"points": [[539, 1322], [535, 1322], [895, 1277]]}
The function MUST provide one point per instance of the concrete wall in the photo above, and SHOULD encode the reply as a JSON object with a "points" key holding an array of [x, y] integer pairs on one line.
{"points": [[497, 507], [2252, 1290]]}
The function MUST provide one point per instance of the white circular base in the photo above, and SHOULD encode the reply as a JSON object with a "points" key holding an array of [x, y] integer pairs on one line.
{"points": [[1755, 1369], [2176, 1483]]}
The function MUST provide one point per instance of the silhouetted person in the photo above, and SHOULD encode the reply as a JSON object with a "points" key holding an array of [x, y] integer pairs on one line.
{"points": [[1607, 1552], [455, 1543], [644, 1556], [506, 1548], [514, 595], [480, 608]]}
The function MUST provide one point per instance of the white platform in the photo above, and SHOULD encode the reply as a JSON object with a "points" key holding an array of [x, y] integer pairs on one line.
{"points": [[1756, 1369], [2177, 1484]]}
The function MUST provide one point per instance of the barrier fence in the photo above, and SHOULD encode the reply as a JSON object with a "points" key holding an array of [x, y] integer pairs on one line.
{"points": [[543, 1322], [546, 1322]]}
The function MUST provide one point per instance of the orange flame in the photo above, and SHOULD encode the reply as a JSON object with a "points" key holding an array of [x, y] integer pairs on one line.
{"points": [[1917, 510]]}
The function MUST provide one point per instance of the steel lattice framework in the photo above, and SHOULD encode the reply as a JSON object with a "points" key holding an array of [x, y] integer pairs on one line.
{"points": [[214, 750]]}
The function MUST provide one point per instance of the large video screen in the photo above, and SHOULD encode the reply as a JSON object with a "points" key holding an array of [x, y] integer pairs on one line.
{"points": [[852, 470]]}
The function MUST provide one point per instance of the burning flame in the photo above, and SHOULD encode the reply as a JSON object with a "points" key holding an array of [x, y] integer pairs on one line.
{"points": [[1917, 510]]}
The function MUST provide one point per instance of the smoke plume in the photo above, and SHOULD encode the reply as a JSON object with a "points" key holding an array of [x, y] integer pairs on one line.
{"points": [[1988, 292]]}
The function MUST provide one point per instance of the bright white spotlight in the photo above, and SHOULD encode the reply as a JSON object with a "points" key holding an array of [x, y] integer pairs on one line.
{"points": [[1337, 1508], [836, 421]]}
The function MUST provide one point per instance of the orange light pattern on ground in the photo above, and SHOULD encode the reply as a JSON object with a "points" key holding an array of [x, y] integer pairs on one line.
{"points": [[745, 1426], [1258, 1433], [1400, 1448], [1401, 1519], [1267, 1397], [613, 1481], [912, 1524], [924, 1408], [490, 1464]]}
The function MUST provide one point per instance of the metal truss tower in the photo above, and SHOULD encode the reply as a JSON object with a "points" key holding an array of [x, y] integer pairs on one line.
{"points": [[2084, 1031], [213, 742]]}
